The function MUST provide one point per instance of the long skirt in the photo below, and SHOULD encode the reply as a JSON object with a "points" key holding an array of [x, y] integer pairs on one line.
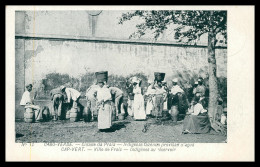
{"points": [[105, 116], [158, 106], [139, 111], [130, 110], [149, 106], [92, 104], [196, 123]]}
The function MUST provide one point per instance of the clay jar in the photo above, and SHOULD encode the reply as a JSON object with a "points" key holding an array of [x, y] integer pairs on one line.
{"points": [[87, 114], [174, 113]]}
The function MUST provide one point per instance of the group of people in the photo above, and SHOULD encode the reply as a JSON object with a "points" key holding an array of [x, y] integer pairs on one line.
{"points": [[103, 99]]}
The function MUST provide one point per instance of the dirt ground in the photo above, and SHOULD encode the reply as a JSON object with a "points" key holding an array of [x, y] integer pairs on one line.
{"points": [[127, 130]]}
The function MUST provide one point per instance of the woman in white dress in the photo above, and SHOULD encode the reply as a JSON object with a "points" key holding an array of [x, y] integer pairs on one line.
{"points": [[104, 100], [139, 111]]}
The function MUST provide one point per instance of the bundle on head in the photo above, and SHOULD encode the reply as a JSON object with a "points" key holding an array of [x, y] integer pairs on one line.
{"points": [[159, 76], [102, 76]]}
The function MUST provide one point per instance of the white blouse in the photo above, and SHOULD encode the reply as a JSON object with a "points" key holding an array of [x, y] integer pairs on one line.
{"points": [[26, 98]]}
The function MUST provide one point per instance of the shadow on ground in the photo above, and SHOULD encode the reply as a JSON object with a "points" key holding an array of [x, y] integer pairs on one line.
{"points": [[116, 126]]}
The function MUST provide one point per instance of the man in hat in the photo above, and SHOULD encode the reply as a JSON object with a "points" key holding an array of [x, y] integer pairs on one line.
{"points": [[176, 88], [117, 96], [28, 102], [200, 89], [72, 94], [57, 98]]}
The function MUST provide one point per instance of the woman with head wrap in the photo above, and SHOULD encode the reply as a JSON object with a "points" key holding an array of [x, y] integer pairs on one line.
{"points": [[138, 106]]}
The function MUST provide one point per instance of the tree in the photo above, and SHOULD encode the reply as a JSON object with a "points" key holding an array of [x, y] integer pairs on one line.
{"points": [[189, 26]]}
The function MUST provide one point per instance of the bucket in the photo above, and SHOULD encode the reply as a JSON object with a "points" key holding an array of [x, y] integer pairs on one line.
{"points": [[73, 110], [68, 114], [101, 76], [174, 113], [28, 120], [29, 115], [87, 114], [121, 116], [73, 115]]}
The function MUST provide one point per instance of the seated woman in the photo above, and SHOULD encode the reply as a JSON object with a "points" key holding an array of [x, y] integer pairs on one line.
{"points": [[196, 120]]}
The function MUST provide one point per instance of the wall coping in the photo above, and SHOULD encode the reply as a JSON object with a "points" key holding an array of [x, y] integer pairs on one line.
{"points": [[107, 40]]}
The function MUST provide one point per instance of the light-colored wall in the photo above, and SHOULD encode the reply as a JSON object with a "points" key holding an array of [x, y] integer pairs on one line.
{"points": [[73, 57]]}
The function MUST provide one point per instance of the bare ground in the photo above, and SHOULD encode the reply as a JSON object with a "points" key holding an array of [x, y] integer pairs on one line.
{"points": [[126, 130]]}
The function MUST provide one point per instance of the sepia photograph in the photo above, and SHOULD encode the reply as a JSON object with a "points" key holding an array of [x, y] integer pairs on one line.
{"points": [[121, 76]]}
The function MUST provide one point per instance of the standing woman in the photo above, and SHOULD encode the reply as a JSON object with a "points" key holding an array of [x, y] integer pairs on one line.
{"points": [[139, 111], [104, 100], [150, 98], [130, 102]]}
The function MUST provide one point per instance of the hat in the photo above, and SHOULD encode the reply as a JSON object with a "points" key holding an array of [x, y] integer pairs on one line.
{"points": [[29, 85], [199, 80], [196, 83], [62, 87], [175, 80]]}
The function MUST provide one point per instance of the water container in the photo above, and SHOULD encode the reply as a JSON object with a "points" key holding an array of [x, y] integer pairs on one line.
{"points": [[28, 120], [29, 115], [223, 119], [174, 113], [121, 116], [87, 114], [68, 114], [73, 115], [113, 113], [73, 110], [159, 76]]}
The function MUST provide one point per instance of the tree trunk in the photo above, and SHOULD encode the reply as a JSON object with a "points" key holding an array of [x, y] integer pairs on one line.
{"points": [[213, 87]]}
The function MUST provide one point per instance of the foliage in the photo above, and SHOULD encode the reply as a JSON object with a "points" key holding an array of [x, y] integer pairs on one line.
{"points": [[191, 24], [186, 81]]}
